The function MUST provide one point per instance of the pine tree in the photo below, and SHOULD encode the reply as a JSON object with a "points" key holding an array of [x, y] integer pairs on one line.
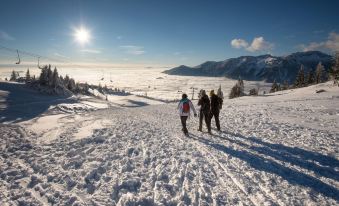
{"points": [[66, 81], [235, 91], [310, 78], [49, 76], [61, 79], [71, 85], [285, 86], [77, 88], [241, 86], [274, 87], [55, 78], [254, 92], [300, 79], [100, 88], [86, 88], [334, 71], [28, 76], [43, 79], [319, 73], [14, 76]]}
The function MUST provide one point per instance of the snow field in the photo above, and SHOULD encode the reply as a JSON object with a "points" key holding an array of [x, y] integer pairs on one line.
{"points": [[280, 149]]}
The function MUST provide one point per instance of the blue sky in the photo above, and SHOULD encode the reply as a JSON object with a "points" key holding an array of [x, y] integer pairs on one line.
{"points": [[167, 32]]}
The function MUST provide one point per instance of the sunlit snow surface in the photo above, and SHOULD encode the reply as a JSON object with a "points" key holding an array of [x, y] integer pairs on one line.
{"points": [[277, 149]]}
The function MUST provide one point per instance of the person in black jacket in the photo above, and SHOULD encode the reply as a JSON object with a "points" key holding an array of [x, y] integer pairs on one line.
{"points": [[215, 108], [204, 113]]}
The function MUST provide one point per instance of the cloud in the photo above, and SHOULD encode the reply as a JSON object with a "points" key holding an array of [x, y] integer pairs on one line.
{"points": [[330, 44], [92, 51], [119, 37], [135, 50], [258, 44], [60, 55], [5, 36], [239, 43]]}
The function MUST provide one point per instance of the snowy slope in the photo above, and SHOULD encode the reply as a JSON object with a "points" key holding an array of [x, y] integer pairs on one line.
{"points": [[278, 149]]}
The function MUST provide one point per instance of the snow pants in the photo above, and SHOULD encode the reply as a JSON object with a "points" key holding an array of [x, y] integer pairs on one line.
{"points": [[216, 117], [205, 115], [183, 123]]}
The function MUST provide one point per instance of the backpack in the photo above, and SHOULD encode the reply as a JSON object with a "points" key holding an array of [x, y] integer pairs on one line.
{"points": [[186, 107]]}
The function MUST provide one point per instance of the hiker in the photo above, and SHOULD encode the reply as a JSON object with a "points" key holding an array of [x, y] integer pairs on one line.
{"points": [[185, 106], [216, 104], [204, 113]]}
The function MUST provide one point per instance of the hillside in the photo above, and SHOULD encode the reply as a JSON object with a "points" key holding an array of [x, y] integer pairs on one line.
{"points": [[264, 67], [266, 154]]}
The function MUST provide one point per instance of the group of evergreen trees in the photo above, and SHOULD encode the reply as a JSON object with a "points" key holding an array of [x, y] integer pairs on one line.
{"points": [[51, 82], [303, 79], [334, 71], [237, 90], [317, 76], [312, 77]]}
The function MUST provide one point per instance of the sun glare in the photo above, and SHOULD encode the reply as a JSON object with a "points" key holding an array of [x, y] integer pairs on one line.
{"points": [[82, 35]]}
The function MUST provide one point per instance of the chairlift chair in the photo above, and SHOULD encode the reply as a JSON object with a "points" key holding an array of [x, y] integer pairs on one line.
{"points": [[19, 60]]}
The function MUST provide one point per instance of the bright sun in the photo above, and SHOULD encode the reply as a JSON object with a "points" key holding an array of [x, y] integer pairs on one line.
{"points": [[82, 35]]}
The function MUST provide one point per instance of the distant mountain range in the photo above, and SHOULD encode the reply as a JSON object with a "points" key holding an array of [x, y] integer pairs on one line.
{"points": [[264, 67]]}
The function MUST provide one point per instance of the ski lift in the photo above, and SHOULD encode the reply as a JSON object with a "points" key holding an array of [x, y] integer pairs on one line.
{"points": [[39, 63], [110, 77], [193, 89], [17, 51]]}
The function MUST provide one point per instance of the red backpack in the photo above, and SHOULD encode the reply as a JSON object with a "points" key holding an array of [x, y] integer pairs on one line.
{"points": [[186, 107]]}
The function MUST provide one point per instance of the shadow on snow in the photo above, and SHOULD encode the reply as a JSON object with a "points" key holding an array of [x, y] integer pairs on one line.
{"points": [[20, 103], [291, 155]]}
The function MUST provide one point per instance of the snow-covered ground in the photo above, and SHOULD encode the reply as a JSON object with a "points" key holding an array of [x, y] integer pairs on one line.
{"points": [[277, 149]]}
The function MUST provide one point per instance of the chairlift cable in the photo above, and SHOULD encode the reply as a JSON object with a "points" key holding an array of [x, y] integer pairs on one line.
{"points": [[25, 53]]}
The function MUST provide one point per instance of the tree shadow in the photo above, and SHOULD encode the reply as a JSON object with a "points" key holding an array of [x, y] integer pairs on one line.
{"points": [[270, 166], [20, 103], [137, 103]]}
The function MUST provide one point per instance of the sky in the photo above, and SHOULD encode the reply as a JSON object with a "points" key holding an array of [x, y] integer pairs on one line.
{"points": [[167, 33]]}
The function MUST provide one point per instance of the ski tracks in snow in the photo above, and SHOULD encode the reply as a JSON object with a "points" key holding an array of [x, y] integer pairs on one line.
{"points": [[139, 156]]}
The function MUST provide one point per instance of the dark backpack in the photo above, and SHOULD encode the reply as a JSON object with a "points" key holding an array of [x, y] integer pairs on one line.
{"points": [[186, 107]]}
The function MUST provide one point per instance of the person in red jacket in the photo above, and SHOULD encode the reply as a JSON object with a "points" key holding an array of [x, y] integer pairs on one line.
{"points": [[185, 106]]}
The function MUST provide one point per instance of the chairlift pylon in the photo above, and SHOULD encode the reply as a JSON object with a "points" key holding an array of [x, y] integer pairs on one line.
{"points": [[19, 60]]}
